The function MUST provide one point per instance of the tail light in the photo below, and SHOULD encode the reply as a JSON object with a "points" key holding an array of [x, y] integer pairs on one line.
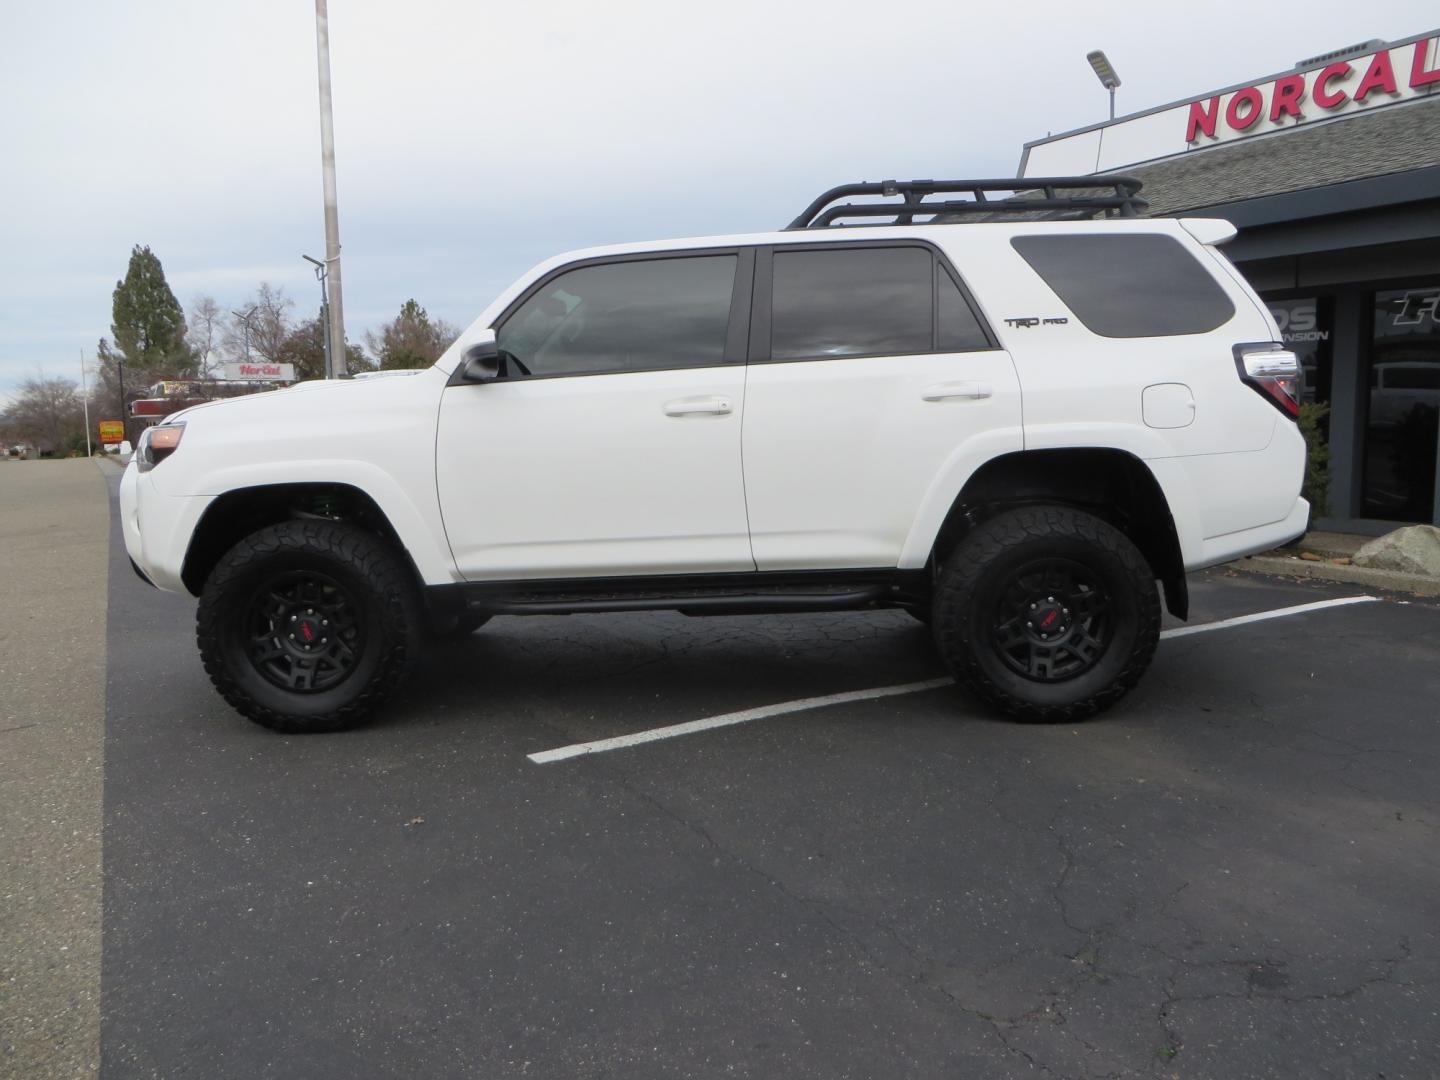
{"points": [[1273, 371]]}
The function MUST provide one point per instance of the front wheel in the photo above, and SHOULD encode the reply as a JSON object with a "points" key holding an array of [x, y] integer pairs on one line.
{"points": [[1047, 613], [306, 626]]}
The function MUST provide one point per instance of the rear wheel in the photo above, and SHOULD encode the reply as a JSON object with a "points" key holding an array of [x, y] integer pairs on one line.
{"points": [[1047, 613], [307, 626]]}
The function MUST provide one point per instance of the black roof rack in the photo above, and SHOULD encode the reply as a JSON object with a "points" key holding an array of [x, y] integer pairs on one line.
{"points": [[1033, 196]]}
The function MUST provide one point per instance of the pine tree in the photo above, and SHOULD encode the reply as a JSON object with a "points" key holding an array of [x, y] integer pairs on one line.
{"points": [[412, 339], [148, 323], [148, 327]]}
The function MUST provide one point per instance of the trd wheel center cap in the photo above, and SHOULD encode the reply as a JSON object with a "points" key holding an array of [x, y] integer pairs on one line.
{"points": [[1047, 620], [307, 632]]}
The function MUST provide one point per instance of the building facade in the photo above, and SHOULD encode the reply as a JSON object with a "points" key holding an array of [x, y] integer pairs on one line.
{"points": [[1331, 173]]}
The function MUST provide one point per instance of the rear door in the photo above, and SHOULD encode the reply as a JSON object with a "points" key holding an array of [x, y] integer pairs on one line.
{"points": [[870, 368]]}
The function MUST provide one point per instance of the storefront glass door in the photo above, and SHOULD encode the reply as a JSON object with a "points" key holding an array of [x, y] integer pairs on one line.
{"points": [[1404, 405]]}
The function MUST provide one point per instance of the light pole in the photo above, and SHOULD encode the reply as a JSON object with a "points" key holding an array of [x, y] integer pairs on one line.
{"points": [[1106, 74], [85, 402], [245, 317], [321, 271], [336, 322]]}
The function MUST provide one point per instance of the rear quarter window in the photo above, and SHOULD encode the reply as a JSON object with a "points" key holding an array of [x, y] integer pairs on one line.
{"points": [[1126, 286]]}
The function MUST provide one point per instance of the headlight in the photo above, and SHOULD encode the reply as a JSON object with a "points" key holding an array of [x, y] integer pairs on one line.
{"points": [[156, 444]]}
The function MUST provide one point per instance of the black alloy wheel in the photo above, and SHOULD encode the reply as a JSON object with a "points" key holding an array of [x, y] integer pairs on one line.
{"points": [[305, 631], [1052, 621]]}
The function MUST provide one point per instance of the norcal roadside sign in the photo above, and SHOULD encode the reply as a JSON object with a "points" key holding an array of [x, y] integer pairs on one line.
{"points": [[111, 432], [259, 371]]}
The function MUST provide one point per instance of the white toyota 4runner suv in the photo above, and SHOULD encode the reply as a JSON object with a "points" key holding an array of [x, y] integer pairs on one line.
{"points": [[1010, 415]]}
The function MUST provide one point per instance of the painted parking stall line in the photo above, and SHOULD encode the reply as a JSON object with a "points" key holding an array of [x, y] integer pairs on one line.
{"points": [[1261, 616], [744, 716], [764, 712]]}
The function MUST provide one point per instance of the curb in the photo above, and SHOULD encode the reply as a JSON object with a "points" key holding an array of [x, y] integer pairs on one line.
{"points": [[1419, 584]]}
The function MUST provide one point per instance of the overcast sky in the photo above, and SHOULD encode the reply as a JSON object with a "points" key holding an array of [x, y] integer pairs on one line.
{"points": [[474, 139]]}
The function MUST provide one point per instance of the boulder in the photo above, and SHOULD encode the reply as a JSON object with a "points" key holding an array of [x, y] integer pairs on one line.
{"points": [[1414, 549]]}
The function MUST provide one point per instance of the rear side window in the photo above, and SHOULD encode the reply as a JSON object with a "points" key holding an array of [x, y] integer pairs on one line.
{"points": [[956, 327], [867, 301], [1125, 286], [851, 302]]}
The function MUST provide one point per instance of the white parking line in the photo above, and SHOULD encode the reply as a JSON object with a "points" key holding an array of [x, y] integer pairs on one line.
{"points": [[1261, 616], [764, 712], [544, 757]]}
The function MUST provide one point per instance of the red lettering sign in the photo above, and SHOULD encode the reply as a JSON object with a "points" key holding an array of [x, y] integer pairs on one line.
{"points": [[1418, 75], [1380, 74], [1286, 97], [1248, 96], [1323, 96], [1202, 119]]}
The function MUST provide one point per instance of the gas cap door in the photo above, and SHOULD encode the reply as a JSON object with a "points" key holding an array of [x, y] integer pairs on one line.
{"points": [[1168, 405]]}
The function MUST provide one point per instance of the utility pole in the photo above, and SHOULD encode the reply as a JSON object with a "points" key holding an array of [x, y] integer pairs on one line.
{"points": [[335, 365], [120, 374], [85, 401]]}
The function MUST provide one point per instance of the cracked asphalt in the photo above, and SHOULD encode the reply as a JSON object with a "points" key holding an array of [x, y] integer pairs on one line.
{"points": [[1233, 874]]}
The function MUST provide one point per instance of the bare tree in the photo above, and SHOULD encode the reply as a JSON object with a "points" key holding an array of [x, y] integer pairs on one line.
{"points": [[207, 333], [47, 413], [268, 324]]}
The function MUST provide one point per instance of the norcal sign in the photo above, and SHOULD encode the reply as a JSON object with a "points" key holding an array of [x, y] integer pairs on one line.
{"points": [[1340, 84], [1380, 78], [260, 371]]}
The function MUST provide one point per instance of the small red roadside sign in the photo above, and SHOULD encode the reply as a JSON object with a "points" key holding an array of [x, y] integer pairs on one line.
{"points": [[112, 432]]}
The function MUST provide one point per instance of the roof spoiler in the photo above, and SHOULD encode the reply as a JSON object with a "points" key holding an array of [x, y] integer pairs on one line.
{"points": [[1207, 230]]}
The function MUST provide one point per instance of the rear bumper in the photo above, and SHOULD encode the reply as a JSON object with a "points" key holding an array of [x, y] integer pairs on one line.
{"points": [[1219, 549], [157, 528]]}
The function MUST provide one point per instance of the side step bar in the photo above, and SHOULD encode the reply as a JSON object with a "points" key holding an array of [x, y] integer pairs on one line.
{"points": [[767, 592], [716, 604]]}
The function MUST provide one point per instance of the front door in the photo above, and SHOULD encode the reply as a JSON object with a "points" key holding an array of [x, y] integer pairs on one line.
{"points": [[611, 445]]}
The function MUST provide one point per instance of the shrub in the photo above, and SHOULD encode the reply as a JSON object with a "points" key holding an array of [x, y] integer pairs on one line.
{"points": [[1317, 461]]}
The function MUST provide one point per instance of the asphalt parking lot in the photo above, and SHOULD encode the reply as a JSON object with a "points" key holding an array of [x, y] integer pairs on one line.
{"points": [[1233, 874]]}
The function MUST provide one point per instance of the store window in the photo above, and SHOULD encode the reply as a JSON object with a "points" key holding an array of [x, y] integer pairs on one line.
{"points": [[1403, 423]]}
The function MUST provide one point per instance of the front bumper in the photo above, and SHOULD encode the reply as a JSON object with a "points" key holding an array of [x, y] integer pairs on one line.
{"points": [[157, 528]]}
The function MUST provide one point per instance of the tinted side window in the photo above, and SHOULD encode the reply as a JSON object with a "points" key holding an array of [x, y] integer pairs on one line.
{"points": [[956, 327], [625, 316], [1128, 286], [851, 302]]}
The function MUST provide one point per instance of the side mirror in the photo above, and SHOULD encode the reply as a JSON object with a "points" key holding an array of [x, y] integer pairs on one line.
{"points": [[481, 361]]}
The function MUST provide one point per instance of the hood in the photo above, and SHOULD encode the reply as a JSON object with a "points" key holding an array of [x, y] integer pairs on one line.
{"points": [[311, 386]]}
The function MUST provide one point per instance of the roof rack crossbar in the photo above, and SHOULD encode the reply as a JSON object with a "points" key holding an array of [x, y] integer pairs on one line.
{"points": [[1125, 202]]}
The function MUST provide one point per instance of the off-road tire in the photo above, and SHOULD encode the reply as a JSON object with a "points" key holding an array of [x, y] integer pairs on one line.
{"points": [[385, 603], [972, 588]]}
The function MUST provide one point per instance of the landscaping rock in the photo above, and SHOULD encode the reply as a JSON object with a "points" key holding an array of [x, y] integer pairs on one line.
{"points": [[1414, 549]]}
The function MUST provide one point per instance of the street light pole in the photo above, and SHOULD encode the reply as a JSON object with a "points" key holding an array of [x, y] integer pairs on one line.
{"points": [[335, 366], [245, 317], [1105, 72], [321, 270], [85, 402]]}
